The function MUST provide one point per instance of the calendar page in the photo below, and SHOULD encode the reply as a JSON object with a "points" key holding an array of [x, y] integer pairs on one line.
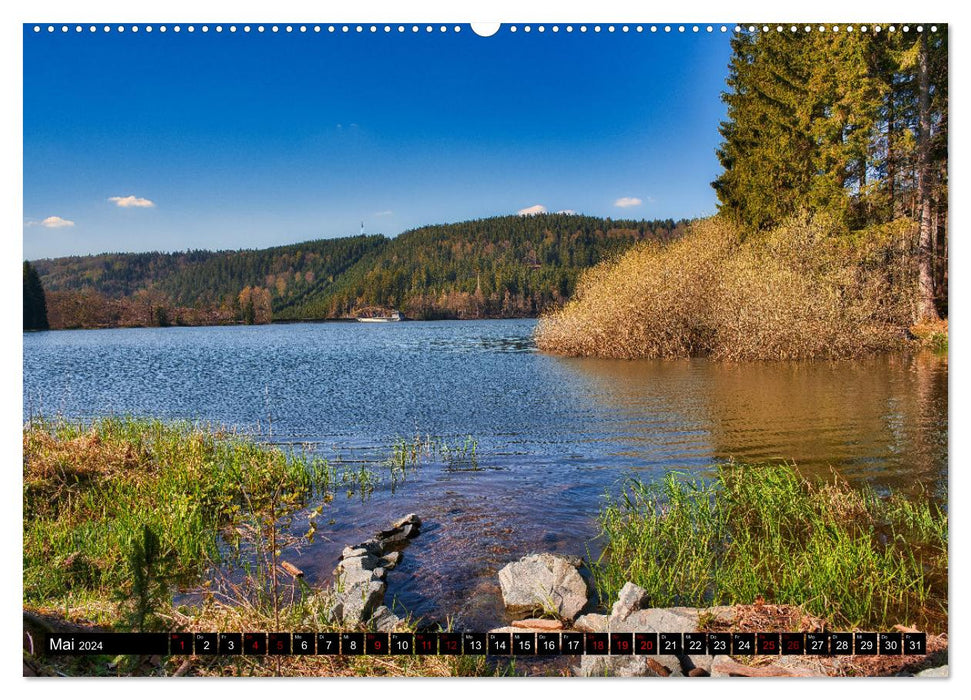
{"points": [[513, 349]]}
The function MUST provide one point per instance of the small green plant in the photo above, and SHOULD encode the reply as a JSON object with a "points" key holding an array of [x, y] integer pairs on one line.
{"points": [[464, 455], [147, 591], [360, 480]]}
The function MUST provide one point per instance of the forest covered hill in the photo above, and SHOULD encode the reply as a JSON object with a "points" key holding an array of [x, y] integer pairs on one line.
{"points": [[506, 266]]}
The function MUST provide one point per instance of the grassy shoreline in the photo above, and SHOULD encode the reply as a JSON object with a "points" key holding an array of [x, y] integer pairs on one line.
{"points": [[120, 511], [762, 532], [109, 504]]}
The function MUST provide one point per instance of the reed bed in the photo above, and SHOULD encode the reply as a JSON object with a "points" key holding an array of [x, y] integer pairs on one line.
{"points": [[764, 532], [807, 290]]}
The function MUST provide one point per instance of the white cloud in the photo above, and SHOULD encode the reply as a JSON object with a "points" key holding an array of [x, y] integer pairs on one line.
{"points": [[386, 212], [628, 202], [131, 201], [566, 211], [535, 209], [56, 222]]}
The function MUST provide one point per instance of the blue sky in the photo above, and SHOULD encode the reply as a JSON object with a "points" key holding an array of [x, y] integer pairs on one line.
{"points": [[174, 141]]}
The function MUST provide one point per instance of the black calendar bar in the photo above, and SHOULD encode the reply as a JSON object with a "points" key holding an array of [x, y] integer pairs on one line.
{"points": [[493, 644]]}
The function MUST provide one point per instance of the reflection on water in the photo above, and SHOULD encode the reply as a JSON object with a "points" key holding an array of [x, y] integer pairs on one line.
{"points": [[554, 435], [882, 420]]}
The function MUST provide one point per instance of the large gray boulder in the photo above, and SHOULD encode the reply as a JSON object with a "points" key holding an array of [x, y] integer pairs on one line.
{"points": [[547, 583]]}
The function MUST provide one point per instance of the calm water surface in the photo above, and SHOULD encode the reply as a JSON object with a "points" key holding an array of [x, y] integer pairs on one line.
{"points": [[553, 435]]}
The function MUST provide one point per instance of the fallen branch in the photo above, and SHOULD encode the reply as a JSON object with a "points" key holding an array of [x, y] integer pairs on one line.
{"points": [[291, 569]]}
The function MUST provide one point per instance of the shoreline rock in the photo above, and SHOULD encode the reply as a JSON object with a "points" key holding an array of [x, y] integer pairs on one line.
{"points": [[548, 583], [359, 579]]}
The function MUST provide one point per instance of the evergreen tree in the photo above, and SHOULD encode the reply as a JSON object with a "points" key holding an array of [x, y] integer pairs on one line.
{"points": [[853, 124], [802, 108], [35, 303]]}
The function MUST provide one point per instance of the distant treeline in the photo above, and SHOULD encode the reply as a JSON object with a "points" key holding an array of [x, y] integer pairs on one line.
{"points": [[509, 266]]}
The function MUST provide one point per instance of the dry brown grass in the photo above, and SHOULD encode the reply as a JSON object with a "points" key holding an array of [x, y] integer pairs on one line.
{"points": [[55, 469], [803, 291]]}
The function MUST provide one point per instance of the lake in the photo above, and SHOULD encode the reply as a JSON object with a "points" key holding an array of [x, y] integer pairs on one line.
{"points": [[552, 436]]}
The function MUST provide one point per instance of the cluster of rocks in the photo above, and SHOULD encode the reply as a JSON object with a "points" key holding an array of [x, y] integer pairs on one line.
{"points": [[556, 586], [359, 579], [559, 588]]}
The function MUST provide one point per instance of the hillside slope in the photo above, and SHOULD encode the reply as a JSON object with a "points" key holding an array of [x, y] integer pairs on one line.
{"points": [[498, 267]]}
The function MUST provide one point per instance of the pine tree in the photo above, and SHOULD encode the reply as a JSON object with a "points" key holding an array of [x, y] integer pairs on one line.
{"points": [[35, 303], [802, 109]]}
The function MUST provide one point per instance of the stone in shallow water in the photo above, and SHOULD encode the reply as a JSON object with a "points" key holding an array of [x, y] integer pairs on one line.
{"points": [[358, 591], [344, 579], [398, 534], [546, 582], [368, 562], [373, 546], [391, 560], [410, 519]]}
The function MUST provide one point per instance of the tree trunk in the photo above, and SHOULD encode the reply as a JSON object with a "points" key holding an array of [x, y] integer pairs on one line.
{"points": [[926, 310], [944, 270], [936, 247], [891, 155]]}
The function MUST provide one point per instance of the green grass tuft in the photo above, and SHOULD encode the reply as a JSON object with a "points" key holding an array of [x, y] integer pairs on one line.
{"points": [[841, 553]]}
